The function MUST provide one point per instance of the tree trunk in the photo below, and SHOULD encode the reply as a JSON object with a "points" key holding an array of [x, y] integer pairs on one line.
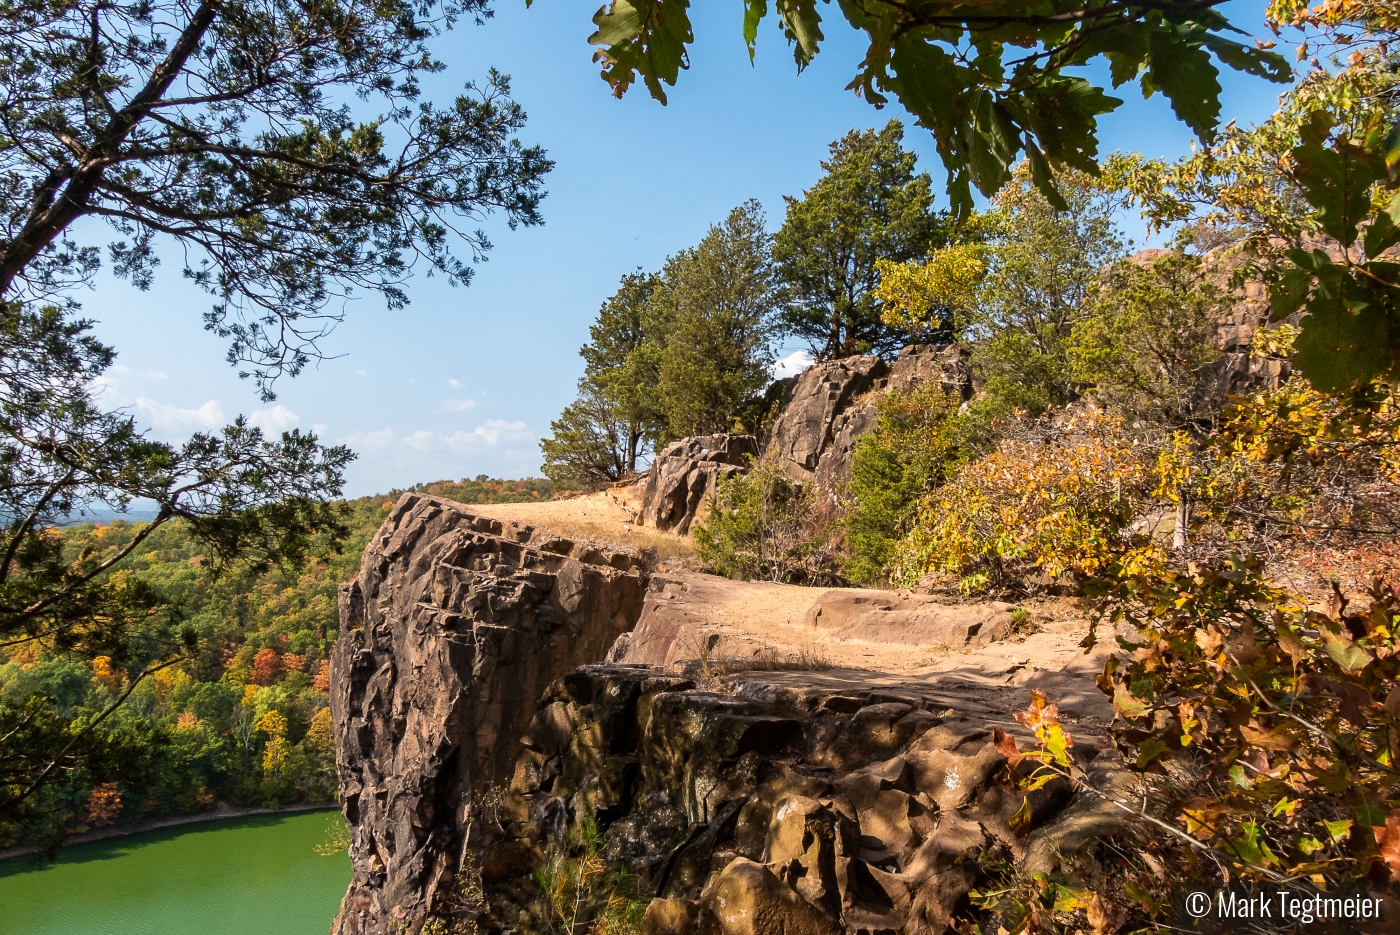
{"points": [[1183, 517]]}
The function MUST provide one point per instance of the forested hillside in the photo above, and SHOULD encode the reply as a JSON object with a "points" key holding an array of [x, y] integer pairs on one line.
{"points": [[242, 716]]}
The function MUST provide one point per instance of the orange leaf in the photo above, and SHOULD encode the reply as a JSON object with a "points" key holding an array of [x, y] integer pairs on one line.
{"points": [[1006, 746], [1388, 840]]}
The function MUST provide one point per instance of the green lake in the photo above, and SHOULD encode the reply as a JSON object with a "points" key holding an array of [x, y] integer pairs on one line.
{"points": [[243, 876]]}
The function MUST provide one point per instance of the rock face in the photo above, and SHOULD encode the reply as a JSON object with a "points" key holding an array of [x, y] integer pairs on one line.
{"points": [[789, 802], [834, 402], [684, 475], [454, 626]]}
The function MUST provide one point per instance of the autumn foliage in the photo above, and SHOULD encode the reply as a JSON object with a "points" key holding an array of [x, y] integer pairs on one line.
{"points": [[268, 666]]}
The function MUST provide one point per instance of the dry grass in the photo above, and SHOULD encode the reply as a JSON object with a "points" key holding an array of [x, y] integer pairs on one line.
{"points": [[932, 653], [666, 548], [595, 517], [808, 659]]}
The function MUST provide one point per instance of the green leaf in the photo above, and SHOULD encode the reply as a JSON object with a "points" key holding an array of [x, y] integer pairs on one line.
{"points": [[802, 26], [1339, 830], [1183, 71], [1348, 655], [1264, 63], [1249, 845], [1336, 178], [1149, 750], [1020, 822], [643, 37], [1128, 705], [1337, 347], [1368, 816], [754, 11], [1289, 293]]}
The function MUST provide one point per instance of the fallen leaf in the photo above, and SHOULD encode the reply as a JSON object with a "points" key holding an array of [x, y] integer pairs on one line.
{"points": [[1388, 841], [1245, 648], [1105, 919], [1006, 746], [1020, 822]]}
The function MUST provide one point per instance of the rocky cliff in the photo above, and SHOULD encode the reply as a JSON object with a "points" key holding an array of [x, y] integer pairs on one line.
{"points": [[776, 802], [828, 406], [454, 627], [481, 755], [684, 474]]}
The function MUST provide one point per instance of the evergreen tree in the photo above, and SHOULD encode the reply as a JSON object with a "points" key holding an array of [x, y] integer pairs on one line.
{"points": [[622, 361], [870, 205], [720, 301], [588, 448], [223, 127]]}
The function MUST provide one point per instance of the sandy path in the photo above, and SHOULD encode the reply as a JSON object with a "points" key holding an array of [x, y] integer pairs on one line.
{"points": [[739, 624], [601, 516]]}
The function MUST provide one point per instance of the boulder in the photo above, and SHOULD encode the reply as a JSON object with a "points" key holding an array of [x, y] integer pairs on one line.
{"points": [[448, 636], [747, 899], [899, 617], [833, 403], [823, 392], [684, 476]]}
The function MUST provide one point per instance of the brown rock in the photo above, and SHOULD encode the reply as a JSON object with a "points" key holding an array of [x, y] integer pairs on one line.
{"points": [[684, 475], [809, 848], [450, 633], [902, 618], [803, 432], [669, 917], [747, 899]]}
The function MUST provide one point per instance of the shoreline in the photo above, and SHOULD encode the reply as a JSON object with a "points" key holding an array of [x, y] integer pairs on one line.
{"points": [[156, 824]]}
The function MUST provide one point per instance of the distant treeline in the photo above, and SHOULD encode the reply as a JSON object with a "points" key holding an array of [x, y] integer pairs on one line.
{"points": [[241, 718]]}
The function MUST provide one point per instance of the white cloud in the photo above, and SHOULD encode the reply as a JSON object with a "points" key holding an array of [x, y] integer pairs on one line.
{"points": [[492, 433], [423, 440], [456, 385], [319, 429], [102, 386], [169, 417], [371, 441], [276, 420], [155, 374], [456, 405], [791, 365], [359, 373]]}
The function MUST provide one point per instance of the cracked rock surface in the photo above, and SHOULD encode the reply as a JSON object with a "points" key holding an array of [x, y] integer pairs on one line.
{"points": [[452, 630], [782, 803]]}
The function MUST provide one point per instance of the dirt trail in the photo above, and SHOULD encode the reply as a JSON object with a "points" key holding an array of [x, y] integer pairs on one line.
{"points": [[855, 634], [609, 516]]}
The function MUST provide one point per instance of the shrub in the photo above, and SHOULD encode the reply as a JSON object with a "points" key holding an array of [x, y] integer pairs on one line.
{"points": [[1050, 504], [913, 444], [1270, 726], [764, 525]]}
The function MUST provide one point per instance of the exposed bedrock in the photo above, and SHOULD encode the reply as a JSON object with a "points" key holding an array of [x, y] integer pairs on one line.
{"points": [[787, 802], [834, 402], [454, 627], [684, 475]]}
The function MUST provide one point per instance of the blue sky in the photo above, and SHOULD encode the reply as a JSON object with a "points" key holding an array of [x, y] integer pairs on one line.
{"points": [[464, 381]]}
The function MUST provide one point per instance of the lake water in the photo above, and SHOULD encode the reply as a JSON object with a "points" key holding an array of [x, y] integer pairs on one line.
{"points": [[244, 876]]}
